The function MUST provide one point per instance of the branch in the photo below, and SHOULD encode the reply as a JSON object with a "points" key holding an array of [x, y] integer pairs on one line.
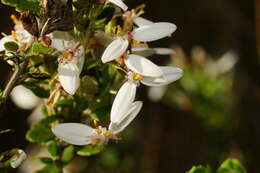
{"points": [[18, 71]]}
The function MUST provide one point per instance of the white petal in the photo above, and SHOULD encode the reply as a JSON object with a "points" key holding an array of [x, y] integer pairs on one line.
{"points": [[119, 3], [24, 98], [80, 58], [143, 66], [114, 50], [153, 31], [69, 77], [163, 51], [73, 133], [140, 21], [4, 40], [60, 44], [170, 74], [17, 160], [129, 117], [123, 101], [146, 52]]}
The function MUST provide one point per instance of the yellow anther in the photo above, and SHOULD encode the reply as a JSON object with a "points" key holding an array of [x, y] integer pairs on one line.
{"points": [[136, 42], [133, 11], [15, 19], [137, 77], [95, 123], [95, 142], [64, 54], [109, 134], [119, 30], [13, 33]]}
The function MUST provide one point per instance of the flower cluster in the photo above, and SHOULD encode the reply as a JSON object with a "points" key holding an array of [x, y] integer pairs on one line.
{"points": [[47, 47], [126, 48]]}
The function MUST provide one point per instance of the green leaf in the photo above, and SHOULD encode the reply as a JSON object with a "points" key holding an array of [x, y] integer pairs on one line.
{"points": [[38, 48], [90, 150], [23, 5], [50, 168], [68, 154], [101, 114], [231, 166], [53, 148], [199, 169], [50, 119], [7, 131], [11, 46], [66, 102], [46, 160], [37, 90], [92, 64], [39, 133]]}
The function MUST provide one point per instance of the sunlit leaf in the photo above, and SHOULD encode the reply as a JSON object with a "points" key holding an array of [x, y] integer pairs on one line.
{"points": [[90, 150], [68, 154], [39, 133], [231, 166], [23, 5]]}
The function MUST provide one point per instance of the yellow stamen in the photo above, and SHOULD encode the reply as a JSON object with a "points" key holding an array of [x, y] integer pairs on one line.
{"points": [[65, 54], [15, 19], [137, 77], [136, 42], [119, 29], [133, 11], [95, 123], [109, 134], [95, 142]]}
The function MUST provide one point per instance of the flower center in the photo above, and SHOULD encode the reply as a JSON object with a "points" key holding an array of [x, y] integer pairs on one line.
{"points": [[137, 76]]}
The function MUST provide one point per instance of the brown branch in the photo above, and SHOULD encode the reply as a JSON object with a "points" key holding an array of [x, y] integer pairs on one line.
{"points": [[18, 71]]}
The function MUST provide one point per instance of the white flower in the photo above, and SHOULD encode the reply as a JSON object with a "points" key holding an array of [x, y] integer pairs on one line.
{"points": [[5, 39], [146, 72], [18, 158], [19, 36], [145, 33], [119, 3], [71, 61], [124, 110]]}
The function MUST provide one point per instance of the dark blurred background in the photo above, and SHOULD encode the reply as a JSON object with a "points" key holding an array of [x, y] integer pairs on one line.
{"points": [[169, 136]]}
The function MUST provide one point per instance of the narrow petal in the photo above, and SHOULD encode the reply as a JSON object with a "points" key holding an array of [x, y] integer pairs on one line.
{"points": [[163, 51], [119, 3], [80, 58], [73, 133], [69, 77], [140, 21], [153, 31], [143, 66], [4, 40], [18, 159], [170, 74], [123, 101], [59, 44], [114, 50], [145, 52], [129, 117]]}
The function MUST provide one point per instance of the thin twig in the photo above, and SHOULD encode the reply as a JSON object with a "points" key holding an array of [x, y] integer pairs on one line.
{"points": [[18, 71]]}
